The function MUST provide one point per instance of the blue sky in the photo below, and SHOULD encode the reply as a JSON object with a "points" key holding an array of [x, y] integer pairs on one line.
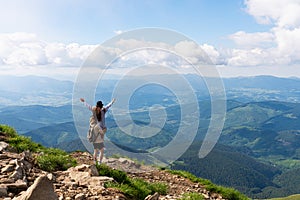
{"points": [[92, 22], [244, 37]]}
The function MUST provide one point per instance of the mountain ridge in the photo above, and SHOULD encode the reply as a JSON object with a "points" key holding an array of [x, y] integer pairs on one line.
{"points": [[30, 90], [28, 177]]}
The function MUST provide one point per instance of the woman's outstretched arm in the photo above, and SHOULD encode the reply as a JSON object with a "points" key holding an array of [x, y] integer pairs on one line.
{"points": [[110, 104], [86, 104]]}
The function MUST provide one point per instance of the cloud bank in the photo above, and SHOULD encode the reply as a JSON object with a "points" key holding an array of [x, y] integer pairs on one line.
{"points": [[26, 49], [279, 46]]}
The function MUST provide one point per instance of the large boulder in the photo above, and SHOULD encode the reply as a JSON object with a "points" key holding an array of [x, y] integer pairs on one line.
{"points": [[42, 188]]}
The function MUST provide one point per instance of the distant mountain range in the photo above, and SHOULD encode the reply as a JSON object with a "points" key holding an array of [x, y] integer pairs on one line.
{"points": [[27, 118], [257, 153], [35, 90]]}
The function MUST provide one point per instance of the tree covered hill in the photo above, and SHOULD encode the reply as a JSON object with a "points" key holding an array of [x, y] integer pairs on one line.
{"points": [[229, 167]]}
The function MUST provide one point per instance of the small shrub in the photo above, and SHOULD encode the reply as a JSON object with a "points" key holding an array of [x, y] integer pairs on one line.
{"points": [[129, 191], [161, 188], [144, 188], [48, 159], [8, 130], [140, 189], [227, 193], [132, 188], [54, 162], [192, 196], [22, 143], [119, 176], [52, 159]]}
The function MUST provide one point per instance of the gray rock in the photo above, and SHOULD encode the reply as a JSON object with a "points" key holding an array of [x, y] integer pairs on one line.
{"points": [[91, 169], [27, 155], [3, 190], [3, 146], [42, 188], [17, 186], [18, 173], [27, 165], [3, 156], [13, 162], [80, 196], [155, 196], [123, 160], [7, 168], [51, 177]]}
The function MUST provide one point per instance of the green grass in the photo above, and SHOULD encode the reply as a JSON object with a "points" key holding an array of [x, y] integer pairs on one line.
{"points": [[48, 159], [52, 159], [22, 143], [119, 176], [10, 132], [192, 196], [281, 162], [228, 193], [133, 188], [292, 197]]}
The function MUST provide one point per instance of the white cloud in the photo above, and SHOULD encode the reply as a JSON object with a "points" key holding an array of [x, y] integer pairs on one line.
{"points": [[27, 54], [281, 13], [253, 57], [194, 53], [146, 52], [279, 46], [212, 53], [250, 40], [25, 49], [288, 42]]}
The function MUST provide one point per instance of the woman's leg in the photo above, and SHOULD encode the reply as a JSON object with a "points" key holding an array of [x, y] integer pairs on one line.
{"points": [[96, 151], [101, 154]]}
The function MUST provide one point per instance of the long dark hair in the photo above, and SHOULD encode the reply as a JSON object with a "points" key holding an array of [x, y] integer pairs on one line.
{"points": [[98, 114]]}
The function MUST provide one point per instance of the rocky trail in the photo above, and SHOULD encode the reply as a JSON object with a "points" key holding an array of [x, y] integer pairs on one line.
{"points": [[177, 185]]}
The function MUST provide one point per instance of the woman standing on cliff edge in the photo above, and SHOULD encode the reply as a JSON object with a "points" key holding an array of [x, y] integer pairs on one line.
{"points": [[98, 118]]}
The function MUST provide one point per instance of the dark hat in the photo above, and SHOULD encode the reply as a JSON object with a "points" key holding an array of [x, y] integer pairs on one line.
{"points": [[99, 104]]}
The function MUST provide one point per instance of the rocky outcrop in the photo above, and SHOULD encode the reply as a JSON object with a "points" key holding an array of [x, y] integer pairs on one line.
{"points": [[20, 180], [82, 182], [17, 171]]}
